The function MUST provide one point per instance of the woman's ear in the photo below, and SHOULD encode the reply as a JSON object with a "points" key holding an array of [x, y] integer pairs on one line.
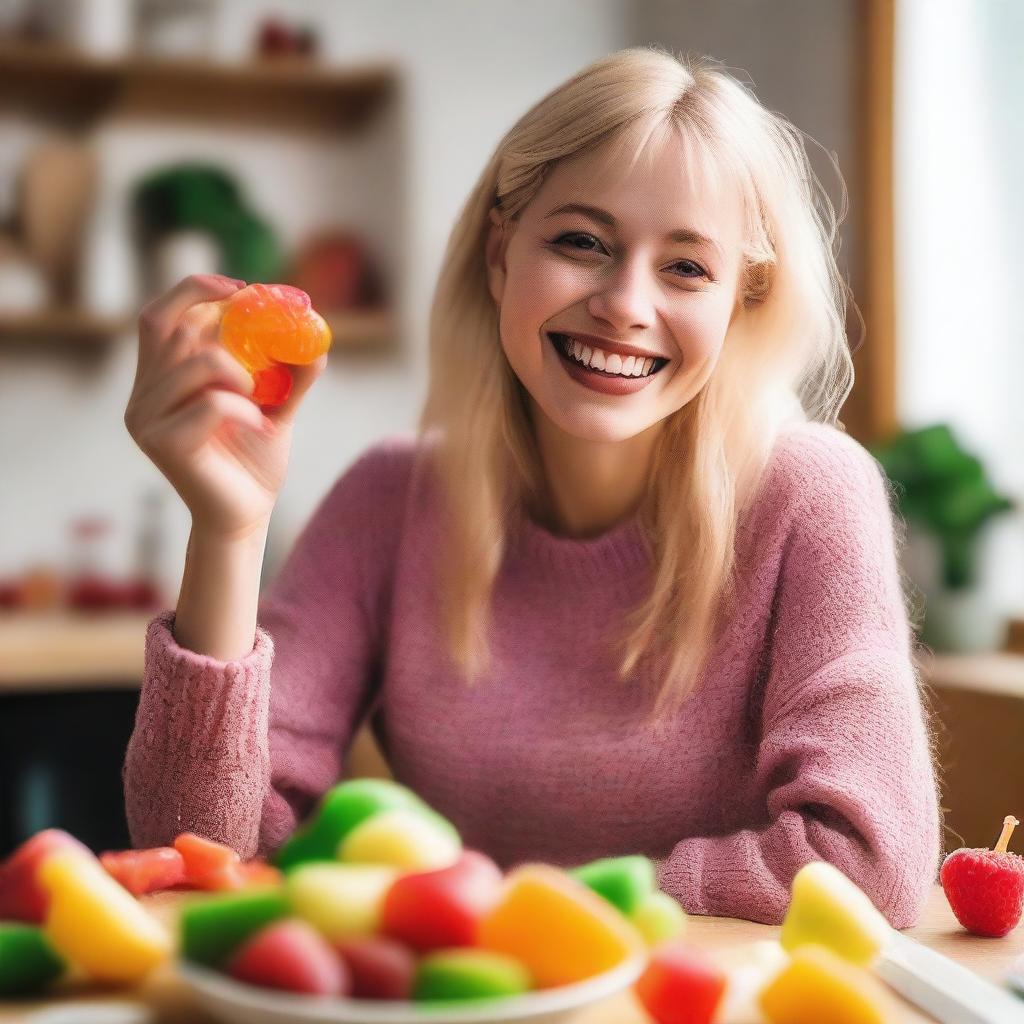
{"points": [[495, 255]]}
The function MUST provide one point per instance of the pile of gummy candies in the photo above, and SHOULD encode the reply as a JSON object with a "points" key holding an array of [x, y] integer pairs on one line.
{"points": [[375, 897], [382, 901]]}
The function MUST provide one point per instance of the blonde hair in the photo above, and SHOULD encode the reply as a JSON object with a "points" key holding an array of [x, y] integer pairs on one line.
{"points": [[784, 358]]}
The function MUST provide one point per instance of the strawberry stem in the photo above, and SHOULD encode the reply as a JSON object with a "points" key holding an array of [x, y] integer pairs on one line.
{"points": [[1009, 824]]}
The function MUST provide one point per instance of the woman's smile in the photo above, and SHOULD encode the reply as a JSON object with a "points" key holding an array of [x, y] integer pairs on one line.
{"points": [[617, 377]]}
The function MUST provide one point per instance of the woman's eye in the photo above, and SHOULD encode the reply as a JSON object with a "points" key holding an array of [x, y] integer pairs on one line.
{"points": [[696, 269]]}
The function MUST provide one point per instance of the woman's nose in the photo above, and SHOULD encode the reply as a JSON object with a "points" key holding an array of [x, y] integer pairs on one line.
{"points": [[626, 297]]}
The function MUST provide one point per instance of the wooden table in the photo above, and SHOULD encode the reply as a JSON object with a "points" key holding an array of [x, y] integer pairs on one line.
{"points": [[720, 936]]}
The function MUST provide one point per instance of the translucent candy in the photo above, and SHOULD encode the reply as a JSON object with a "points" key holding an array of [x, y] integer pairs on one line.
{"points": [[266, 325], [98, 924], [829, 909], [817, 985], [340, 900], [561, 930], [405, 838]]}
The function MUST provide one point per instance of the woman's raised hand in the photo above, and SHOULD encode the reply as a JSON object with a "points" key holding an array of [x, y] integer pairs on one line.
{"points": [[191, 414]]}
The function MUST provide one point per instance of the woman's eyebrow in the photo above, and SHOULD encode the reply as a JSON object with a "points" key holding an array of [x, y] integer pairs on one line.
{"points": [[688, 235]]}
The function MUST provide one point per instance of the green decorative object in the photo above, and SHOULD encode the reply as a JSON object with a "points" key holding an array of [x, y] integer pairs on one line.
{"points": [[944, 489], [205, 198]]}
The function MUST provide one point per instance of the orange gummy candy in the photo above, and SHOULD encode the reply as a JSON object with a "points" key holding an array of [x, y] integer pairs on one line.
{"points": [[265, 324], [559, 928]]}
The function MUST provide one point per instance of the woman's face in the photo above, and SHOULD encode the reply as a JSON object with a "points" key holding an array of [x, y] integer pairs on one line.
{"points": [[614, 273]]}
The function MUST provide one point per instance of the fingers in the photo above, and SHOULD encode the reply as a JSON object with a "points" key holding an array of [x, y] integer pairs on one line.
{"points": [[193, 424], [211, 367], [303, 378], [159, 318]]}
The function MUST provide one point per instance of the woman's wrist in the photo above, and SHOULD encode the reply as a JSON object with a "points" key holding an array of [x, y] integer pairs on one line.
{"points": [[220, 585]]}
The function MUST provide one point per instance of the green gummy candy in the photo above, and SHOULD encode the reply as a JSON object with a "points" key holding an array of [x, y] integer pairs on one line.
{"points": [[468, 974], [213, 928], [27, 960], [625, 882], [339, 811]]}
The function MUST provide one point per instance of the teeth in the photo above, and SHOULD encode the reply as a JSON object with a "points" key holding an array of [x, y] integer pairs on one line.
{"points": [[628, 366]]}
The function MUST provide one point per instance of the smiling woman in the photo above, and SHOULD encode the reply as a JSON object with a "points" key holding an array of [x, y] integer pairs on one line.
{"points": [[630, 590], [677, 221]]}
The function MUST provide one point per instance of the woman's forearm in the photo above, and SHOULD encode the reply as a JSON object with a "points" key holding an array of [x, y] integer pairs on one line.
{"points": [[220, 587]]}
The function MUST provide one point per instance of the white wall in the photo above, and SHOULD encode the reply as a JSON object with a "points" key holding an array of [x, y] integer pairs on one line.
{"points": [[471, 70], [959, 137]]}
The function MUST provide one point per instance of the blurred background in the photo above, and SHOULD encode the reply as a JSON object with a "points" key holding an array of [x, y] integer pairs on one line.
{"points": [[331, 144]]}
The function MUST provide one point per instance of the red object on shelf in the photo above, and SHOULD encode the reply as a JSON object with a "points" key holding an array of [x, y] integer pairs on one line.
{"points": [[275, 38], [97, 593], [334, 269]]}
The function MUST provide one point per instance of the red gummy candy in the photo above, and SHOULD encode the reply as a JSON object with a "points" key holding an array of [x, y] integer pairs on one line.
{"points": [[381, 968], [22, 898], [142, 871], [681, 984], [291, 955], [441, 908], [271, 386]]}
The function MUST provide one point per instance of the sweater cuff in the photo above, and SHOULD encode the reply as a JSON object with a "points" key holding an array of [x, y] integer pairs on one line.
{"points": [[680, 875], [213, 708]]}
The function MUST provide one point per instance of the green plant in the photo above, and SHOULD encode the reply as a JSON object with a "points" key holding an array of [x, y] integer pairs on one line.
{"points": [[945, 490], [204, 197]]}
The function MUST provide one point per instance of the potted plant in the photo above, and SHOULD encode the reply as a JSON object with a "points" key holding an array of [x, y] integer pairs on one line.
{"points": [[944, 490]]}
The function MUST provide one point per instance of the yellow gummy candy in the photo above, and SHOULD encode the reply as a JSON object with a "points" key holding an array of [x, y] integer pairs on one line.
{"points": [[659, 918], [96, 923], [827, 908], [403, 838], [340, 900], [559, 928], [817, 986]]}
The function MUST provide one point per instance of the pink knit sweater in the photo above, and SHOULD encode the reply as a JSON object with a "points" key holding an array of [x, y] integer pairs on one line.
{"points": [[806, 740]]}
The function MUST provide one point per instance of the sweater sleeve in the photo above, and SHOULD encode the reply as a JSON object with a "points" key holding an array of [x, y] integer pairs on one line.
{"points": [[240, 751], [843, 767]]}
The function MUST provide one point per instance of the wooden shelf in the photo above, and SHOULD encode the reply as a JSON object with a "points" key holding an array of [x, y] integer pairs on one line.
{"points": [[283, 93], [66, 325], [362, 329], [63, 651], [353, 330]]}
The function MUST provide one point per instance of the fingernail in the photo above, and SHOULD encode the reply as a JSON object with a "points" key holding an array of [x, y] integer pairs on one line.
{"points": [[238, 281]]}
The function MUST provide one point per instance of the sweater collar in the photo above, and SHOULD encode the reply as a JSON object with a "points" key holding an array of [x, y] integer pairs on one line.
{"points": [[621, 548]]}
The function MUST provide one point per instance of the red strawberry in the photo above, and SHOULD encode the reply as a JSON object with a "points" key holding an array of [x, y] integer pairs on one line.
{"points": [[291, 955], [985, 888]]}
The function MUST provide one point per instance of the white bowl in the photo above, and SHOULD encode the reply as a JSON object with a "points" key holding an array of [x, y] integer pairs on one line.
{"points": [[237, 1003]]}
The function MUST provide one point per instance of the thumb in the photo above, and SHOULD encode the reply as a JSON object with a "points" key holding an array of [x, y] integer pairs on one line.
{"points": [[303, 378]]}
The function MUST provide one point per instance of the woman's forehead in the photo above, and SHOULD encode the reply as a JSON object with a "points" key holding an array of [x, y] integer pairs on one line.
{"points": [[671, 179]]}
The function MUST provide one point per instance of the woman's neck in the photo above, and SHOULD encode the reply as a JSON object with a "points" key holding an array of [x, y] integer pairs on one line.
{"points": [[591, 485]]}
